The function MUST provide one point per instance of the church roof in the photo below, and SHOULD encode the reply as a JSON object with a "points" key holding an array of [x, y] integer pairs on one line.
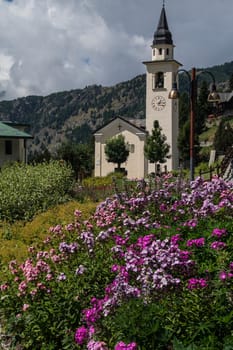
{"points": [[138, 125], [162, 35]]}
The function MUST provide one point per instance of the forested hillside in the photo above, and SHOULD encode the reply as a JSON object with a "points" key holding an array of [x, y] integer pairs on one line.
{"points": [[74, 115]]}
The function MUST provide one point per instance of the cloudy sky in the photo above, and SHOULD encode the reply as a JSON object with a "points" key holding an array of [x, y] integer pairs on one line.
{"points": [[56, 45]]}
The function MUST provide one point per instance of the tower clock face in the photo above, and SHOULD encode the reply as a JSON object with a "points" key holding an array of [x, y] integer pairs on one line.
{"points": [[158, 103]]}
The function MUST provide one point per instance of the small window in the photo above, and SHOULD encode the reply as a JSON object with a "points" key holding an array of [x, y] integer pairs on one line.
{"points": [[131, 148], [167, 52], [8, 147], [160, 51], [153, 52]]}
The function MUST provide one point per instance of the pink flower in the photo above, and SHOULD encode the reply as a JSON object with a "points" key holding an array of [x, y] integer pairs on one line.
{"points": [[122, 346], [218, 232], [4, 287], [196, 283], [22, 286], [81, 335], [96, 345], [198, 242], [25, 307], [218, 245], [77, 213], [223, 275]]}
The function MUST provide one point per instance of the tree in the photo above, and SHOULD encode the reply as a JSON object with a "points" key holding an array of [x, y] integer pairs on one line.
{"points": [[39, 157], [116, 150], [184, 109], [184, 144], [223, 138], [80, 156], [156, 149], [203, 108], [231, 82]]}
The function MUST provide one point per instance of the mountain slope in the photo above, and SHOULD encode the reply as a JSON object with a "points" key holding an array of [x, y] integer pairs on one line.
{"points": [[75, 114]]}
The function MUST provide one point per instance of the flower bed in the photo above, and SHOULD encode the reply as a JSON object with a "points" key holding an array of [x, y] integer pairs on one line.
{"points": [[150, 270]]}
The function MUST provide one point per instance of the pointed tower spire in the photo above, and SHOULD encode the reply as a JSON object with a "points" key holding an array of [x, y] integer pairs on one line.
{"points": [[163, 34]]}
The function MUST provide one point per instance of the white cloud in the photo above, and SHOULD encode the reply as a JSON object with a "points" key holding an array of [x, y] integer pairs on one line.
{"points": [[6, 62], [55, 45]]}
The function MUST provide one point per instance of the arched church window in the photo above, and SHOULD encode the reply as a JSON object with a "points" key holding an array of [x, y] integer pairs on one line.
{"points": [[160, 51], [153, 52], [167, 52]]}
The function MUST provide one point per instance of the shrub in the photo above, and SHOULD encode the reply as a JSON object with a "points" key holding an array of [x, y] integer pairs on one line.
{"points": [[26, 190]]}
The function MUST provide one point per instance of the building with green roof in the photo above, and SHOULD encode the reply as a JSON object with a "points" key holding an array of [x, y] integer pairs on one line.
{"points": [[13, 142]]}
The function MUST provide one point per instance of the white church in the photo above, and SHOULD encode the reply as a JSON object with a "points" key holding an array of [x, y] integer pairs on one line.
{"points": [[161, 72]]}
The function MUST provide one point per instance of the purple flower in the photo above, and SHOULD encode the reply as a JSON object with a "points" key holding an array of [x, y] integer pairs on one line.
{"points": [[61, 277], [218, 245], [223, 275], [198, 242], [81, 335], [96, 345], [122, 346], [80, 270], [218, 232], [196, 283], [68, 248], [176, 238]]}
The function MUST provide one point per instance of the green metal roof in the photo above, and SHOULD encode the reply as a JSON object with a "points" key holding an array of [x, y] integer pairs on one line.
{"points": [[7, 131]]}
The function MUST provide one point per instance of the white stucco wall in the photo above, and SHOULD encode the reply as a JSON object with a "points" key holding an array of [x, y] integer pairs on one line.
{"points": [[168, 116], [18, 151], [136, 166]]}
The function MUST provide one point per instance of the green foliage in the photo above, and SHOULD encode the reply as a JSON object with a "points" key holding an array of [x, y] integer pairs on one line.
{"points": [[26, 189], [116, 150], [231, 82], [79, 156], [184, 109], [184, 141], [203, 108], [39, 157], [81, 134], [156, 149], [45, 313], [223, 138]]}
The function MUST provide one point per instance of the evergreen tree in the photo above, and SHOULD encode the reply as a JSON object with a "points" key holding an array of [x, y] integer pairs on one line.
{"points": [[203, 108], [116, 150], [184, 142], [223, 138], [184, 109], [156, 149], [231, 82]]}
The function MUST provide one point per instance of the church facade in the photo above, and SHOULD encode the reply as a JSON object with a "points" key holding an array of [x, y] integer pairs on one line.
{"points": [[161, 72]]}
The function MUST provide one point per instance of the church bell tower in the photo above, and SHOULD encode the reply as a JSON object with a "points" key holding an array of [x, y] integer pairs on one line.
{"points": [[161, 72]]}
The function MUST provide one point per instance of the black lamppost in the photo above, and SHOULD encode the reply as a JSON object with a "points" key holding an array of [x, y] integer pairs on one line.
{"points": [[213, 97]]}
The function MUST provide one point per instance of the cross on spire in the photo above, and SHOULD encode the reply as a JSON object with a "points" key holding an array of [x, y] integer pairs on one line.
{"points": [[163, 3]]}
